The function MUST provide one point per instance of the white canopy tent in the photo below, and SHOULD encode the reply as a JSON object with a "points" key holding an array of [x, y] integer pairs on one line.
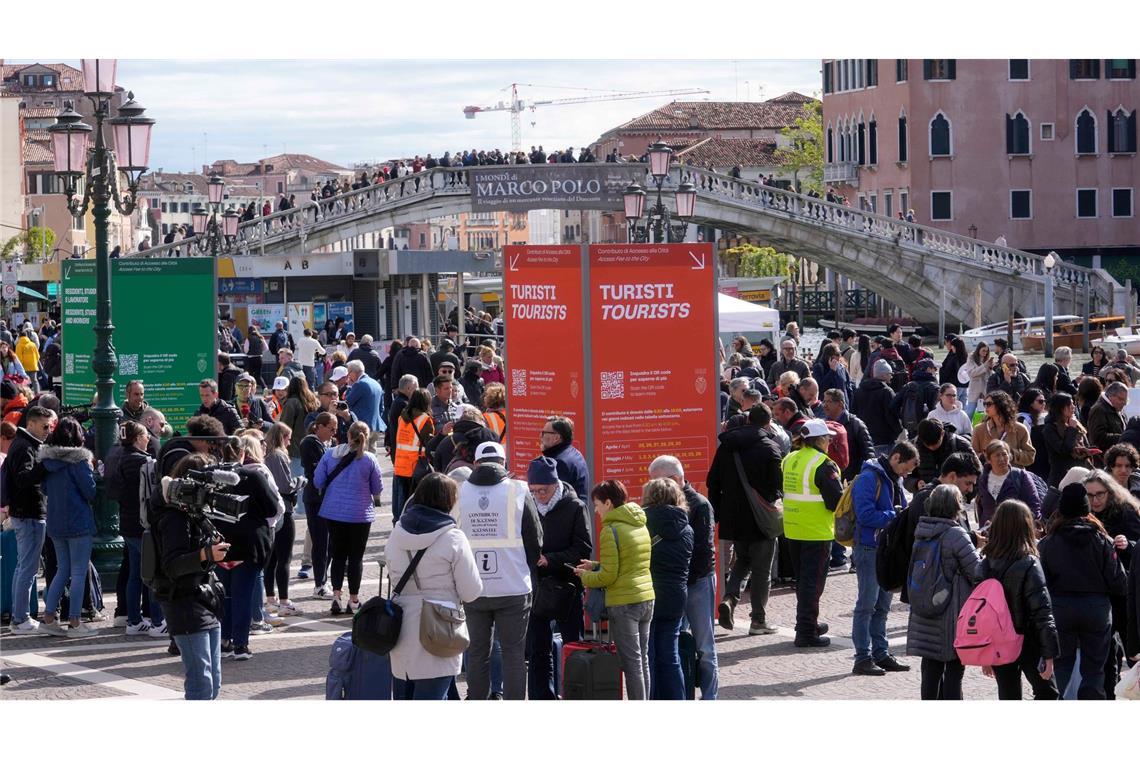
{"points": [[738, 316]]}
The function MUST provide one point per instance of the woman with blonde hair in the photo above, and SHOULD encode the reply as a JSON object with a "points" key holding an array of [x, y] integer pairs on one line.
{"points": [[495, 409], [349, 477], [277, 569], [492, 366]]}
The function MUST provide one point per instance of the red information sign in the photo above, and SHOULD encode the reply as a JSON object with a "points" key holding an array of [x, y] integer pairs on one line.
{"points": [[652, 348], [542, 289]]}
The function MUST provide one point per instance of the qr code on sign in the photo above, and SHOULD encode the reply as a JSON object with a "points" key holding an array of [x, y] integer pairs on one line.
{"points": [[613, 385], [518, 382], [128, 364]]}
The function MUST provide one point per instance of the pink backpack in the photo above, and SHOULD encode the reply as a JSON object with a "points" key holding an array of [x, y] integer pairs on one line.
{"points": [[985, 634]]}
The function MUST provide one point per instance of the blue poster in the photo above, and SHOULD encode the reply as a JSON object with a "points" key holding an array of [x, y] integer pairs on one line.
{"points": [[341, 309], [319, 317]]}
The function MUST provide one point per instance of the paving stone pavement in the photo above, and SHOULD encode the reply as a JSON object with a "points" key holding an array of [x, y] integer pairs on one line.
{"points": [[291, 663]]}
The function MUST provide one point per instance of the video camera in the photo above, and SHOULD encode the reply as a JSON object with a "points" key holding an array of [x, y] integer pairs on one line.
{"points": [[208, 492]]}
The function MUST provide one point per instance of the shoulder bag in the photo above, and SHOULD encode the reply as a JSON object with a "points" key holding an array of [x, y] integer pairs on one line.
{"points": [[769, 517], [376, 627], [443, 626]]}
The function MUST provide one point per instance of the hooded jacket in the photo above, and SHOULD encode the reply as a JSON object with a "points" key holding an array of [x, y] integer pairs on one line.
{"points": [[69, 487], [411, 361], [366, 355], [446, 573], [1030, 606], [933, 637], [623, 570], [760, 456], [930, 462], [464, 432], [251, 538], [22, 476], [1079, 560], [348, 498], [124, 481], [28, 354], [871, 513], [671, 541], [872, 403], [490, 474]]}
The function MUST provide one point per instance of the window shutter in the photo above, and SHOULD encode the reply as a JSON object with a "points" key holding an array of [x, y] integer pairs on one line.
{"points": [[874, 140], [951, 69], [1008, 134], [1111, 122], [1072, 68], [1131, 68], [926, 68], [1132, 132], [1096, 68], [902, 138]]}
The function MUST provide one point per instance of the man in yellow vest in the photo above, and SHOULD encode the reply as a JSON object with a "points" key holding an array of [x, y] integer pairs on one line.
{"points": [[812, 487]]}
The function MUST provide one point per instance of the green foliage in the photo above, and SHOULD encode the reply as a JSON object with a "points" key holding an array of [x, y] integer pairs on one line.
{"points": [[30, 243], [753, 261], [805, 155]]}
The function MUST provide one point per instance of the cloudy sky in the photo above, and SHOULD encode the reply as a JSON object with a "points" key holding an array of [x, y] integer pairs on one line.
{"points": [[346, 111]]}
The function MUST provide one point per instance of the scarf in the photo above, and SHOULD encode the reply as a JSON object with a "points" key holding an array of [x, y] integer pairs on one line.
{"points": [[544, 509]]}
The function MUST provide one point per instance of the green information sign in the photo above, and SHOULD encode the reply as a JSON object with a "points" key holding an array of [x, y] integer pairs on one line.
{"points": [[165, 317]]}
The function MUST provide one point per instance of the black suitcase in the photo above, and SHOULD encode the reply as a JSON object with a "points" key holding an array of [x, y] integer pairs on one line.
{"points": [[687, 645], [591, 670]]}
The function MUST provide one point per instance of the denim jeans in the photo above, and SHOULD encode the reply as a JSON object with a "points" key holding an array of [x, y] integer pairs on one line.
{"points": [[809, 558], [257, 598], [434, 689], [667, 680], [29, 544], [540, 648], [1084, 624], [240, 583], [72, 556], [757, 557], [629, 625], [401, 490], [506, 616], [699, 617], [202, 659], [869, 624], [134, 586]]}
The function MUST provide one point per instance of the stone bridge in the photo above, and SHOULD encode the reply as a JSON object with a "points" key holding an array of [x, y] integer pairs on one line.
{"points": [[916, 267]]}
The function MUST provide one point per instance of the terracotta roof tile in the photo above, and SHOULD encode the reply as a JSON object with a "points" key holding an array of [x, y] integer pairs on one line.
{"points": [[37, 153], [72, 74], [39, 112], [707, 115], [727, 152]]}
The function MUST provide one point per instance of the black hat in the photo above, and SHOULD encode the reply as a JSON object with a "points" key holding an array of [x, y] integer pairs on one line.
{"points": [[1074, 501]]}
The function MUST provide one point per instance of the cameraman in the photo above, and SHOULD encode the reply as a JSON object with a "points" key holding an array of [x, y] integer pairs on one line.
{"points": [[329, 399], [251, 542], [187, 549]]}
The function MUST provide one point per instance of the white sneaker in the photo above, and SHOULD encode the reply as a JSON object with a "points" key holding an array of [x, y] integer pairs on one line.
{"points": [[81, 631], [54, 628], [140, 628], [274, 619], [258, 629], [287, 609], [29, 627], [157, 631], [324, 591], [119, 622]]}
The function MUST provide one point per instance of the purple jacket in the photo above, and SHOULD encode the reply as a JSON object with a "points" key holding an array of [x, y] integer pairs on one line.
{"points": [[349, 497]]}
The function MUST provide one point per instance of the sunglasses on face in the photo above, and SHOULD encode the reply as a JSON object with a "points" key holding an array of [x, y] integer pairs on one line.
{"points": [[987, 403]]}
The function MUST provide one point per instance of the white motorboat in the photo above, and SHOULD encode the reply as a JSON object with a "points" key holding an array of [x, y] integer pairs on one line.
{"points": [[1125, 338], [987, 333]]}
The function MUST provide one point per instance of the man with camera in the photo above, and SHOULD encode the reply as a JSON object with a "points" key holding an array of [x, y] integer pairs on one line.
{"points": [[178, 566], [329, 400]]}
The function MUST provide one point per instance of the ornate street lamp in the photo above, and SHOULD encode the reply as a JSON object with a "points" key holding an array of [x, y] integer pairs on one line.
{"points": [[658, 225], [209, 234], [97, 168]]}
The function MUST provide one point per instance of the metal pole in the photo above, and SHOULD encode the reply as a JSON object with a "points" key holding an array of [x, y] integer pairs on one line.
{"points": [[425, 325], [942, 316], [1049, 315], [105, 414], [1009, 324], [1085, 330], [461, 310]]}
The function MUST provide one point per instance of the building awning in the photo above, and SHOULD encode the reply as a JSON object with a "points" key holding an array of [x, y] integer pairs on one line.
{"points": [[32, 293]]}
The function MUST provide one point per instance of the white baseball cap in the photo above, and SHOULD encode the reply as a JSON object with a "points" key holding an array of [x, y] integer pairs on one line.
{"points": [[338, 373], [814, 429], [490, 450], [281, 383]]}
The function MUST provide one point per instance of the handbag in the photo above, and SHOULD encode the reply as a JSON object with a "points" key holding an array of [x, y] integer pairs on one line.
{"points": [[552, 598], [443, 629], [596, 597], [769, 517], [376, 627]]}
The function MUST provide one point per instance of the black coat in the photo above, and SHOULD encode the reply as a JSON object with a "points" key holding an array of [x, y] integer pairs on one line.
{"points": [[860, 447], [1079, 560], [1053, 378], [411, 361], [565, 537], [701, 521], [1132, 629], [399, 401], [227, 380], [930, 462], [223, 412], [669, 561], [761, 457], [125, 481], [1124, 522], [180, 544], [22, 477], [473, 387], [1059, 443], [1014, 386], [251, 538], [1131, 434], [872, 403], [312, 450], [1030, 607], [366, 355], [464, 432]]}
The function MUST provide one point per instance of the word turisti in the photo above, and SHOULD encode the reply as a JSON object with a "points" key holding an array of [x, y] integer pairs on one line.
{"points": [[525, 310], [660, 294]]}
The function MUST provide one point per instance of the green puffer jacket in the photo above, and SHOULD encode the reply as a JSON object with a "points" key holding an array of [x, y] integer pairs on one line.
{"points": [[624, 568]]}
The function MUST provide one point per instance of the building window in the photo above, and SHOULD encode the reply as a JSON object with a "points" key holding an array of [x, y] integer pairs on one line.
{"points": [[1018, 69], [858, 66], [900, 69], [862, 143], [1084, 68], [873, 203], [185, 208], [1086, 202], [1122, 201], [939, 68], [904, 202], [902, 139], [1086, 133], [941, 207], [1017, 135], [888, 204], [1020, 204], [164, 207], [827, 78], [1046, 131], [940, 144], [873, 143], [165, 228], [1121, 131], [1120, 68], [872, 72], [830, 146]]}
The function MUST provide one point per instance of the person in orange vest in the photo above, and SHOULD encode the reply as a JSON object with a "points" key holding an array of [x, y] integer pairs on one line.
{"points": [[275, 401], [414, 429], [495, 409]]}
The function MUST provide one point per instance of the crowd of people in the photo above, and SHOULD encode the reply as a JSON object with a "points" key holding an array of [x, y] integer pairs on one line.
{"points": [[938, 475]]}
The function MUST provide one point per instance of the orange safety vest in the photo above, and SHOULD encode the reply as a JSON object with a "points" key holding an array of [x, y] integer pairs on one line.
{"points": [[408, 445], [273, 404], [496, 422]]}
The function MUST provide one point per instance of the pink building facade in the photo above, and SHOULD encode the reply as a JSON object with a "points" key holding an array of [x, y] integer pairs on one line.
{"points": [[1040, 152]]}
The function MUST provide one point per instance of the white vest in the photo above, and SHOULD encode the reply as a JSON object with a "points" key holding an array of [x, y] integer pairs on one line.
{"points": [[491, 517]]}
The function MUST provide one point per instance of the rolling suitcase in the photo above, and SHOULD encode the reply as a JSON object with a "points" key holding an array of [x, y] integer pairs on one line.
{"points": [[356, 674], [591, 670], [556, 655], [687, 646]]}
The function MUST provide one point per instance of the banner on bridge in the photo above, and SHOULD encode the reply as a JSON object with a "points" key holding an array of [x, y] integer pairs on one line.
{"points": [[559, 186]]}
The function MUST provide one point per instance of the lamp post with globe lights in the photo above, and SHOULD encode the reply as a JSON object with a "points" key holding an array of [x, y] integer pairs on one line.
{"points": [[659, 224], [208, 234]]}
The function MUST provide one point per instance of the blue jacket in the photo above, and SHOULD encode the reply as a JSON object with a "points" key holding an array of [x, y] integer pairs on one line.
{"points": [[349, 497], [69, 485], [571, 467], [669, 561], [363, 399], [871, 513]]}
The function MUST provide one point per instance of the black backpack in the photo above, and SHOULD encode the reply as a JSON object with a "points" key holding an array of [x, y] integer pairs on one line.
{"points": [[913, 409], [892, 559], [376, 627]]}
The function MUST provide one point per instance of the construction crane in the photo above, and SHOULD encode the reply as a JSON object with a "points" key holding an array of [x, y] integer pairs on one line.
{"points": [[517, 106]]}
